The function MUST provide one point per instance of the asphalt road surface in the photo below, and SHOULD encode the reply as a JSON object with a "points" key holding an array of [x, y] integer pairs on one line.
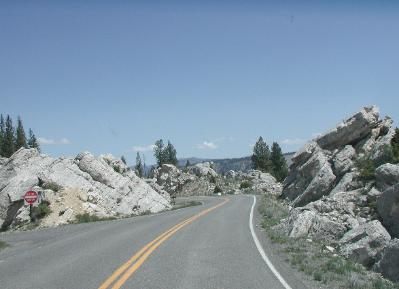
{"points": [[210, 246]]}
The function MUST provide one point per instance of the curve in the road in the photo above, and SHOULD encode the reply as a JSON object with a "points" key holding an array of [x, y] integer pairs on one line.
{"points": [[134, 263]]}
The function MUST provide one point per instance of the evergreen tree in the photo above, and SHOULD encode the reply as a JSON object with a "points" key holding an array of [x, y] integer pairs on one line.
{"points": [[20, 136], [159, 152], [188, 163], [139, 166], [261, 156], [123, 160], [32, 142], [170, 154], [2, 132], [279, 164], [8, 147]]}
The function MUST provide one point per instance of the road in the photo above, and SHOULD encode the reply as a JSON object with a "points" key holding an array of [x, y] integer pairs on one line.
{"points": [[213, 250]]}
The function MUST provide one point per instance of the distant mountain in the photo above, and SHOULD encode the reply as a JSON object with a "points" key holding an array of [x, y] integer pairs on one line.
{"points": [[224, 165]]}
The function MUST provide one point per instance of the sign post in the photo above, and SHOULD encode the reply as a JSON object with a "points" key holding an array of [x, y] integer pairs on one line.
{"points": [[30, 198]]}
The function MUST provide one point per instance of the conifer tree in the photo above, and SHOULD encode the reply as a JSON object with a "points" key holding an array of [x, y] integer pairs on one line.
{"points": [[170, 154], [139, 166], [159, 152], [261, 156], [32, 142], [279, 164], [20, 136], [8, 147]]}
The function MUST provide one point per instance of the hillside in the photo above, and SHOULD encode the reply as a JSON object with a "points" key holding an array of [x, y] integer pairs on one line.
{"points": [[224, 165]]}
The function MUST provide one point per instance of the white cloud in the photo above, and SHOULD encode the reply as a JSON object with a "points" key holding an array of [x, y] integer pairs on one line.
{"points": [[293, 141], [206, 145], [143, 148], [47, 141]]}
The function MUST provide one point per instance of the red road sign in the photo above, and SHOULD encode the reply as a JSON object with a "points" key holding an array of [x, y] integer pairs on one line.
{"points": [[30, 197]]}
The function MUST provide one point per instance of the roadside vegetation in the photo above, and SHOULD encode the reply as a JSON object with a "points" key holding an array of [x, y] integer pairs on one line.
{"points": [[3, 245], [316, 259], [88, 218], [186, 204]]}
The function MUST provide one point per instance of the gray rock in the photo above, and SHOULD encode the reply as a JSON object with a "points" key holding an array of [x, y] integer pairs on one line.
{"points": [[261, 183], [351, 130], [202, 170], [362, 243], [387, 175], [320, 185], [388, 261], [388, 209], [343, 160], [349, 182], [305, 153]]}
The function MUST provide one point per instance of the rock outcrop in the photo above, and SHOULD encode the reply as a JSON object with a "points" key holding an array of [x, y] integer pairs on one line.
{"points": [[331, 198], [102, 186], [201, 180], [259, 183]]}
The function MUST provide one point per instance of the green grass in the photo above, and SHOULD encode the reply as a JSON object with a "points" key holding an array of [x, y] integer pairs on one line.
{"points": [[312, 258], [88, 218], [3, 245]]}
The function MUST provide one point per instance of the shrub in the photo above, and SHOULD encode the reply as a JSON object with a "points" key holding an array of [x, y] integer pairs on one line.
{"points": [[217, 190], [41, 211], [51, 186], [245, 185], [213, 180]]}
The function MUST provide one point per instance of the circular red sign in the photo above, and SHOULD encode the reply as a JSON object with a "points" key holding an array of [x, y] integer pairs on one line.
{"points": [[30, 197]]}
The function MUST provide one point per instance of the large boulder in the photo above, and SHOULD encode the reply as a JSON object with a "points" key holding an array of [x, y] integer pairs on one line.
{"points": [[363, 243], [202, 170], [387, 175], [388, 209], [351, 130], [388, 261], [261, 183]]}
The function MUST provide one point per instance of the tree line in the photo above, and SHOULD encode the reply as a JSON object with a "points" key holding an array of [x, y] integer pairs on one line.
{"points": [[269, 161], [12, 139]]}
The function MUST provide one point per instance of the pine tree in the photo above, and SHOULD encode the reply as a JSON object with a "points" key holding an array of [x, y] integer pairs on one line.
{"points": [[20, 136], [139, 166], [188, 163], [261, 156], [123, 160], [8, 142], [2, 133], [170, 154], [32, 142], [159, 152], [279, 164]]}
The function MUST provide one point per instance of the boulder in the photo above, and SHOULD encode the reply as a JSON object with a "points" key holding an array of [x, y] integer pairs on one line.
{"points": [[387, 175], [361, 244], [321, 185], [343, 160], [388, 209], [202, 170], [388, 261], [261, 183], [351, 130], [350, 181]]}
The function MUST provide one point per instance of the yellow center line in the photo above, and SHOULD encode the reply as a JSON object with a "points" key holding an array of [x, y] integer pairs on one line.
{"points": [[145, 252]]}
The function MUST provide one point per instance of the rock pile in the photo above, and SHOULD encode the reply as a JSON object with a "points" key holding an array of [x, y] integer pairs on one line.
{"points": [[102, 186], [332, 201]]}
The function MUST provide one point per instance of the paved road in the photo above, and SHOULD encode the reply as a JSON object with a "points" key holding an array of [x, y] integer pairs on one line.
{"points": [[215, 250]]}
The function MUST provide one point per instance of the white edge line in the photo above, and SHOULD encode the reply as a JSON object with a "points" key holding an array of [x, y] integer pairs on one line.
{"points": [[262, 252]]}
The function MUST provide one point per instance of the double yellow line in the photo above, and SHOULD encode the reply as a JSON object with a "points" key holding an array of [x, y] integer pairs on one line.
{"points": [[124, 272]]}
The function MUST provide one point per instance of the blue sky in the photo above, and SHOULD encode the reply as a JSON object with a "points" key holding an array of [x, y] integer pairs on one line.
{"points": [[114, 76]]}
